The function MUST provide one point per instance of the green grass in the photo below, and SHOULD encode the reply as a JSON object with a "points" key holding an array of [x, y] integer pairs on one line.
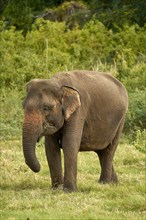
{"points": [[26, 195]]}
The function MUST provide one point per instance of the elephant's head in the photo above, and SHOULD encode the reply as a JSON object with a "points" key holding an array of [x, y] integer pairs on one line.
{"points": [[46, 107]]}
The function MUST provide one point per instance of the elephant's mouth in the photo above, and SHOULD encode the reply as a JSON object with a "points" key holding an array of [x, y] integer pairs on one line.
{"points": [[49, 129]]}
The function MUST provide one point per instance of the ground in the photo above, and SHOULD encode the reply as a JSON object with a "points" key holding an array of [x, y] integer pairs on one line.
{"points": [[27, 195]]}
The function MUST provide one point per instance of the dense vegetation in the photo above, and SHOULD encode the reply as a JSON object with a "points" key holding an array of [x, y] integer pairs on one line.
{"points": [[110, 12]]}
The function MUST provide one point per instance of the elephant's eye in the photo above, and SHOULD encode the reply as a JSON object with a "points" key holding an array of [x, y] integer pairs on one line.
{"points": [[47, 108]]}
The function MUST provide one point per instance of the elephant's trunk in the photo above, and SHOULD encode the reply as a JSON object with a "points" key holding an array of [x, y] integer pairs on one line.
{"points": [[31, 133]]}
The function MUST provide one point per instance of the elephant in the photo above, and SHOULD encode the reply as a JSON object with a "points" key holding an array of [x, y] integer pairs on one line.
{"points": [[75, 111]]}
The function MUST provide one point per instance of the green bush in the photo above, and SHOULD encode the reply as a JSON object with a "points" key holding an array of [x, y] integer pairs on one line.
{"points": [[11, 114], [140, 141], [136, 116], [133, 77], [49, 47]]}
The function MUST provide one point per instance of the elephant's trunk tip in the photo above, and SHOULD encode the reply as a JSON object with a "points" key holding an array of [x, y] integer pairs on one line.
{"points": [[35, 168]]}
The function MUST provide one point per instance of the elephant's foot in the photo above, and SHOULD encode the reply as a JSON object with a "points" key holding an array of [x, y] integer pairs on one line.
{"points": [[57, 187], [114, 178], [70, 190], [69, 187], [107, 180], [57, 183]]}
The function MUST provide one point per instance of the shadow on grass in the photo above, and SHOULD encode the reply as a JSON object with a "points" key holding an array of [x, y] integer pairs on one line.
{"points": [[25, 185], [95, 188]]}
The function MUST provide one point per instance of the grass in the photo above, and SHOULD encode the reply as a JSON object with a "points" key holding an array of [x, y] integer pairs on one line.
{"points": [[26, 195]]}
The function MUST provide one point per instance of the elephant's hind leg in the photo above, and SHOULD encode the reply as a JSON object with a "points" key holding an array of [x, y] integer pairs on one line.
{"points": [[108, 173], [106, 155]]}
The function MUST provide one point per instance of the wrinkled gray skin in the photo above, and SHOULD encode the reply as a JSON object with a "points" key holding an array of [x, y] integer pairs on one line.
{"points": [[75, 111]]}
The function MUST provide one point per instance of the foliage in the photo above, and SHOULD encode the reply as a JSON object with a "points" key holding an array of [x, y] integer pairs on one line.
{"points": [[33, 197], [140, 141], [19, 14], [111, 13], [11, 114], [42, 51], [118, 13], [133, 76], [136, 116]]}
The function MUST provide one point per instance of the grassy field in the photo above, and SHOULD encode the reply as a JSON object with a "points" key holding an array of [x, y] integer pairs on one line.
{"points": [[26, 195]]}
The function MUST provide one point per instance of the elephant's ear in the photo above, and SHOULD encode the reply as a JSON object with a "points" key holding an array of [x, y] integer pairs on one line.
{"points": [[70, 101], [30, 83]]}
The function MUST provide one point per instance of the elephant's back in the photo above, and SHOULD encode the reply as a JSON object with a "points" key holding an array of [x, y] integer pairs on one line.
{"points": [[88, 79], [95, 86]]}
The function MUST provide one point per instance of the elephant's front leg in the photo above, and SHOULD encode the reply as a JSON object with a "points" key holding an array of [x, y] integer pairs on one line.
{"points": [[71, 144], [70, 168], [53, 154]]}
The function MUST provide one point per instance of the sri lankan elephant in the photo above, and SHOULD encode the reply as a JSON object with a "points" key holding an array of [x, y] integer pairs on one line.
{"points": [[75, 111]]}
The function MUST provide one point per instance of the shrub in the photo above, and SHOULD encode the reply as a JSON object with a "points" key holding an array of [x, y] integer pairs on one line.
{"points": [[11, 113], [132, 76], [136, 117], [49, 47], [140, 141]]}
